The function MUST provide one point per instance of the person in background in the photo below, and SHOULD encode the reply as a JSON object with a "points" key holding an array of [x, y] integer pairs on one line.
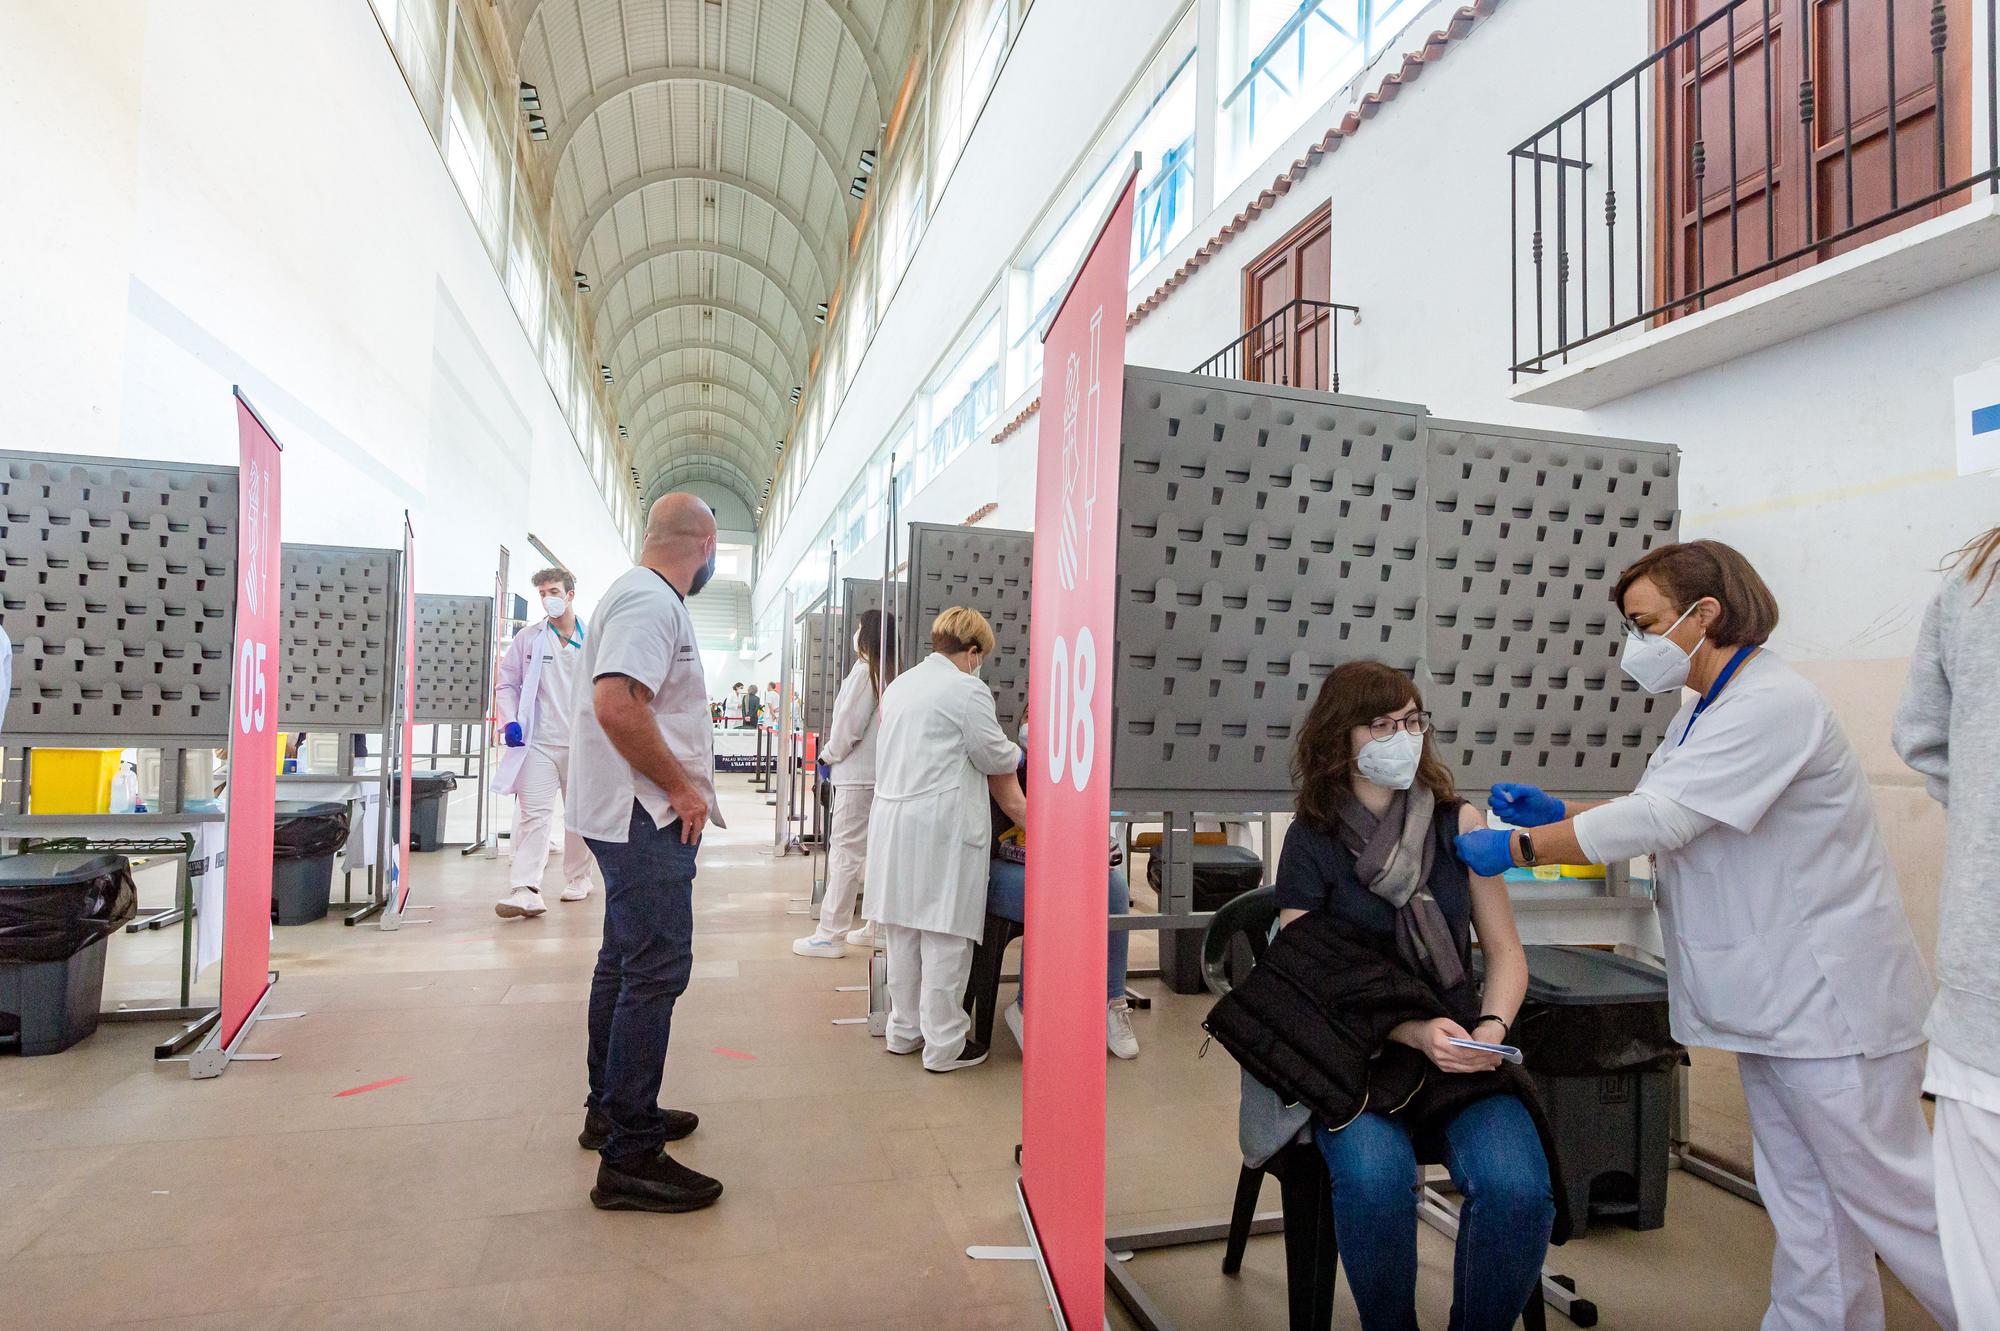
{"points": [[1948, 728], [1372, 846], [536, 691], [772, 716], [849, 752], [753, 706], [644, 790], [940, 751], [1786, 940], [1007, 897]]}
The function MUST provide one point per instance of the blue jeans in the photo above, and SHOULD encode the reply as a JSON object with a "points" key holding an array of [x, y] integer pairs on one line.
{"points": [[1495, 1157], [643, 966], [1007, 896]]}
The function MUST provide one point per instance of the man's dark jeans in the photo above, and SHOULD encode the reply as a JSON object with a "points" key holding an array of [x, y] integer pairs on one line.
{"points": [[642, 968]]}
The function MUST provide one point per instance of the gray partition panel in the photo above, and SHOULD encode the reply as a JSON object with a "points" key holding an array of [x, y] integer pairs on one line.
{"points": [[1265, 536], [118, 587], [815, 701], [1529, 531], [989, 571], [858, 597], [339, 633], [454, 658]]}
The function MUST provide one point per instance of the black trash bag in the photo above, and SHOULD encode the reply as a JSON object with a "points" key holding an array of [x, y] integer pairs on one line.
{"points": [[52, 906], [426, 783], [1594, 1041], [308, 830]]}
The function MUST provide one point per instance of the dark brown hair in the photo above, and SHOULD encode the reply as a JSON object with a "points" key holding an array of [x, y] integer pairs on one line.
{"points": [[1688, 571], [1981, 553], [870, 646], [1323, 758], [562, 575]]}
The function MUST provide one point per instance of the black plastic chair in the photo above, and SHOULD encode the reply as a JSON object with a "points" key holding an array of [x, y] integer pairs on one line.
{"points": [[982, 984], [1233, 943]]}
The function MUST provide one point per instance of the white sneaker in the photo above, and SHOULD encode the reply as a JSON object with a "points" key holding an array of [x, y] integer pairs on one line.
{"points": [[525, 901], [830, 948], [1011, 1014], [863, 937], [577, 891], [1119, 1037]]}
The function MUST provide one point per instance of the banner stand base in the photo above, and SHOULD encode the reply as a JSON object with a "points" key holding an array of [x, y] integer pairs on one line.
{"points": [[1031, 1253], [394, 920], [210, 1058], [196, 1029]]}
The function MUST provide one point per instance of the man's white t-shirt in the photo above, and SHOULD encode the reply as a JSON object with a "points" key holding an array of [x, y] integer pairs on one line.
{"points": [[642, 632], [557, 689]]}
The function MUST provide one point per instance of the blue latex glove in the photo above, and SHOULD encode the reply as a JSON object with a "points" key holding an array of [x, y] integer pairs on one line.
{"points": [[1525, 806], [1486, 851], [825, 772], [512, 734]]}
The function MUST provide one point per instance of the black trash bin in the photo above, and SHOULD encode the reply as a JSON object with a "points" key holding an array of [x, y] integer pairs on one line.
{"points": [[1221, 874], [55, 913], [427, 798], [1593, 1034], [305, 836]]}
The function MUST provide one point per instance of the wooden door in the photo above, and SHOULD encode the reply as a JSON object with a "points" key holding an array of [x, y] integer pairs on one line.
{"points": [[1290, 344]]}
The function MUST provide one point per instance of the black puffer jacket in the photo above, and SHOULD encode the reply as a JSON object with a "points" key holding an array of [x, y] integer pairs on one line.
{"points": [[1312, 1022]]}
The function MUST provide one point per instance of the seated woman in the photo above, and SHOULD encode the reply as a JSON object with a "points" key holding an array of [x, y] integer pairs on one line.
{"points": [[1372, 844], [1007, 897]]}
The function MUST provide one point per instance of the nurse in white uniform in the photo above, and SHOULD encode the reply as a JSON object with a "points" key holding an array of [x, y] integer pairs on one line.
{"points": [[850, 753], [929, 833], [533, 699], [1785, 936]]}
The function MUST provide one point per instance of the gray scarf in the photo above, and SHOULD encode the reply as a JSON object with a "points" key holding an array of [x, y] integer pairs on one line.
{"points": [[1392, 857]]}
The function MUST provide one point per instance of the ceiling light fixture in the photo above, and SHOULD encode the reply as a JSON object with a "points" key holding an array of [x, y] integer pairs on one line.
{"points": [[581, 278], [867, 161], [531, 99], [795, 395], [858, 187], [605, 370], [820, 312], [538, 128]]}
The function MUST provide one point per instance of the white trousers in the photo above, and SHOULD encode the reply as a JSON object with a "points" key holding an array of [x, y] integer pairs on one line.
{"points": [[846, 857], [1967, 1151], [927, 974], [544, 775], [1844, 1167]]}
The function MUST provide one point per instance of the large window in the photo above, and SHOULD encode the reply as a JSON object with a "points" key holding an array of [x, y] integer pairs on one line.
{"points": [[415, 29], [1285, 58], [475, 143], [967, 63], [902, 223], [965, 401]]}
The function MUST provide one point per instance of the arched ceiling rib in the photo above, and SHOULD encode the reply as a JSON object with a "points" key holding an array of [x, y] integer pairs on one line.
{"points": [[692, 319], [699, 156], [704, 469]]}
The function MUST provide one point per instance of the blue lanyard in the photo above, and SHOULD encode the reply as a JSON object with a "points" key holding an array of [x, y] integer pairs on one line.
{"points": [[565, 641], [1742, 655]]}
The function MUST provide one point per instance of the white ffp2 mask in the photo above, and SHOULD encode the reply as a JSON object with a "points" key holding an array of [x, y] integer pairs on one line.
{"points": [[1391, 762], [555, 605], [1656, 662]]}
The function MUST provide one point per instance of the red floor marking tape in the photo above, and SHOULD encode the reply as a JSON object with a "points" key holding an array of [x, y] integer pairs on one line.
{"points": [[734, 1053], [371, 1086]]}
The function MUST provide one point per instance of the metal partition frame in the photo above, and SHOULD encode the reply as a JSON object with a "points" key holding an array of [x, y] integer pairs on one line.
{"points": [[989, 571], [454, 686]]}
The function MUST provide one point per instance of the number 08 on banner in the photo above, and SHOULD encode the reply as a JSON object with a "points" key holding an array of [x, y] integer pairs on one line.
{"points": [[1072, 728]]}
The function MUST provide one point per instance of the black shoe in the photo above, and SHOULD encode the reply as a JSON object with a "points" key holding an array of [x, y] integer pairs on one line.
{"points": [[971, 1056], [652, 1183], [597, 1127]]}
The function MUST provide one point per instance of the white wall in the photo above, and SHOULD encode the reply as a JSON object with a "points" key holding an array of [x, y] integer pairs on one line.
{"points": [[217, 192]]}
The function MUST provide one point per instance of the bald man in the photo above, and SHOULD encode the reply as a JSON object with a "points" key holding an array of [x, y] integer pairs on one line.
{"points": [[643, 784]]}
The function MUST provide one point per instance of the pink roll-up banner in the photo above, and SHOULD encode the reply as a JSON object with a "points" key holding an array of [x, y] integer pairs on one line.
{"points": [[399, 886], [253, 727], [1072, 638]]}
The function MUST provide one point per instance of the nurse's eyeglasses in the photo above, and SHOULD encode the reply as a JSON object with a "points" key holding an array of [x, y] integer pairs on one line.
{"points": [[1417, 723]]}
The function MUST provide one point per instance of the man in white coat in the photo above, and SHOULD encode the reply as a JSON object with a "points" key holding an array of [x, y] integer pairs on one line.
{"points": [[533, 700], [939, 753]]}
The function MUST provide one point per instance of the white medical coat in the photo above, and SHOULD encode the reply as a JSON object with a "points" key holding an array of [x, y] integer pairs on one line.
{"points": [[1784, 930], [850, 741], [929, 834], [6, 674], [517, 696]]}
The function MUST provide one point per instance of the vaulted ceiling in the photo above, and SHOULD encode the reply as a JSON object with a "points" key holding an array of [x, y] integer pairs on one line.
{"points": [[701, 153]]}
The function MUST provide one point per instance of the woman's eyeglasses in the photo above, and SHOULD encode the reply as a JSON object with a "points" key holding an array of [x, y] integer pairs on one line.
{"points": [[1416, 723]]}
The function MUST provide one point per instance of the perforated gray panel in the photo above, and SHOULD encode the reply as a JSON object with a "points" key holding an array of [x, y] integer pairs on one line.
{"points": [[1528, 533], [812, 652], [454, 658], [1264, 537], [988, 571], [118, 587], [859, 596], [338, 672]]}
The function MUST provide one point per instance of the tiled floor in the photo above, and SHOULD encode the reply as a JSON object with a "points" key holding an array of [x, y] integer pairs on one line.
{"points": [[455, 1197]]}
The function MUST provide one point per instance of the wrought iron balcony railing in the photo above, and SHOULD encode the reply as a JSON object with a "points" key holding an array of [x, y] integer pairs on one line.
{"points": [[1766, 137], [1297, 347]]}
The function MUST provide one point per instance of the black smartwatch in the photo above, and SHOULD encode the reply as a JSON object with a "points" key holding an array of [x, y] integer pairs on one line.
{"points": [[1527, 849]]}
